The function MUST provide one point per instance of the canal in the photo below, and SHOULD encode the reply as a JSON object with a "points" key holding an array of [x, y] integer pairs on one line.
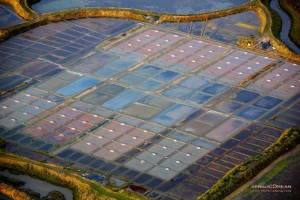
{"points": [[286, 25], [41, 187]]}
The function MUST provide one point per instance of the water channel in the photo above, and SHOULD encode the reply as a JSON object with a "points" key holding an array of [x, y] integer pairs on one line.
{"points": [[39, 186], [286, 25]]}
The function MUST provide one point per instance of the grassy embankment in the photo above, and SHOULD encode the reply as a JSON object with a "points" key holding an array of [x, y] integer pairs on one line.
{"points": [[82, 188], [22, 9], [271, 24], [41, 19], [13, 192], [292, 8], [278, 172], [250, 168], [274, 20], [273, 28]]}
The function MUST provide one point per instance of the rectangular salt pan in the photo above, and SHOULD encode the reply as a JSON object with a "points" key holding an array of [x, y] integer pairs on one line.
{"points": [[226, 130], [78, 86], [173, 114], [123, 99]]}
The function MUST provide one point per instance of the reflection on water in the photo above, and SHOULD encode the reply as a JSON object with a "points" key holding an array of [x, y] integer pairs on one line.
{"points": [[226, 29], [39, 186], [284, 34], [8, 17], [170, 6]]}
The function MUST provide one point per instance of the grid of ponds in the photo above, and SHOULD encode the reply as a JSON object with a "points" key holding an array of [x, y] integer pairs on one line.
{"points": [[173, 120], [58, 43], [169, 6], [34, 56], [25, 106], [8, 17], [226, 29]]}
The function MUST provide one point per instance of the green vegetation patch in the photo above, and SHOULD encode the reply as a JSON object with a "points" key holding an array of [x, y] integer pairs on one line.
{"points": [[249, 169], [278, 168], [283, 172], [82, 188]]}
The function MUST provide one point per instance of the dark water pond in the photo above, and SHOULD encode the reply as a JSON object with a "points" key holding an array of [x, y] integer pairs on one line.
{"points": [[169, 6], [95, 177], [39, 186]]}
